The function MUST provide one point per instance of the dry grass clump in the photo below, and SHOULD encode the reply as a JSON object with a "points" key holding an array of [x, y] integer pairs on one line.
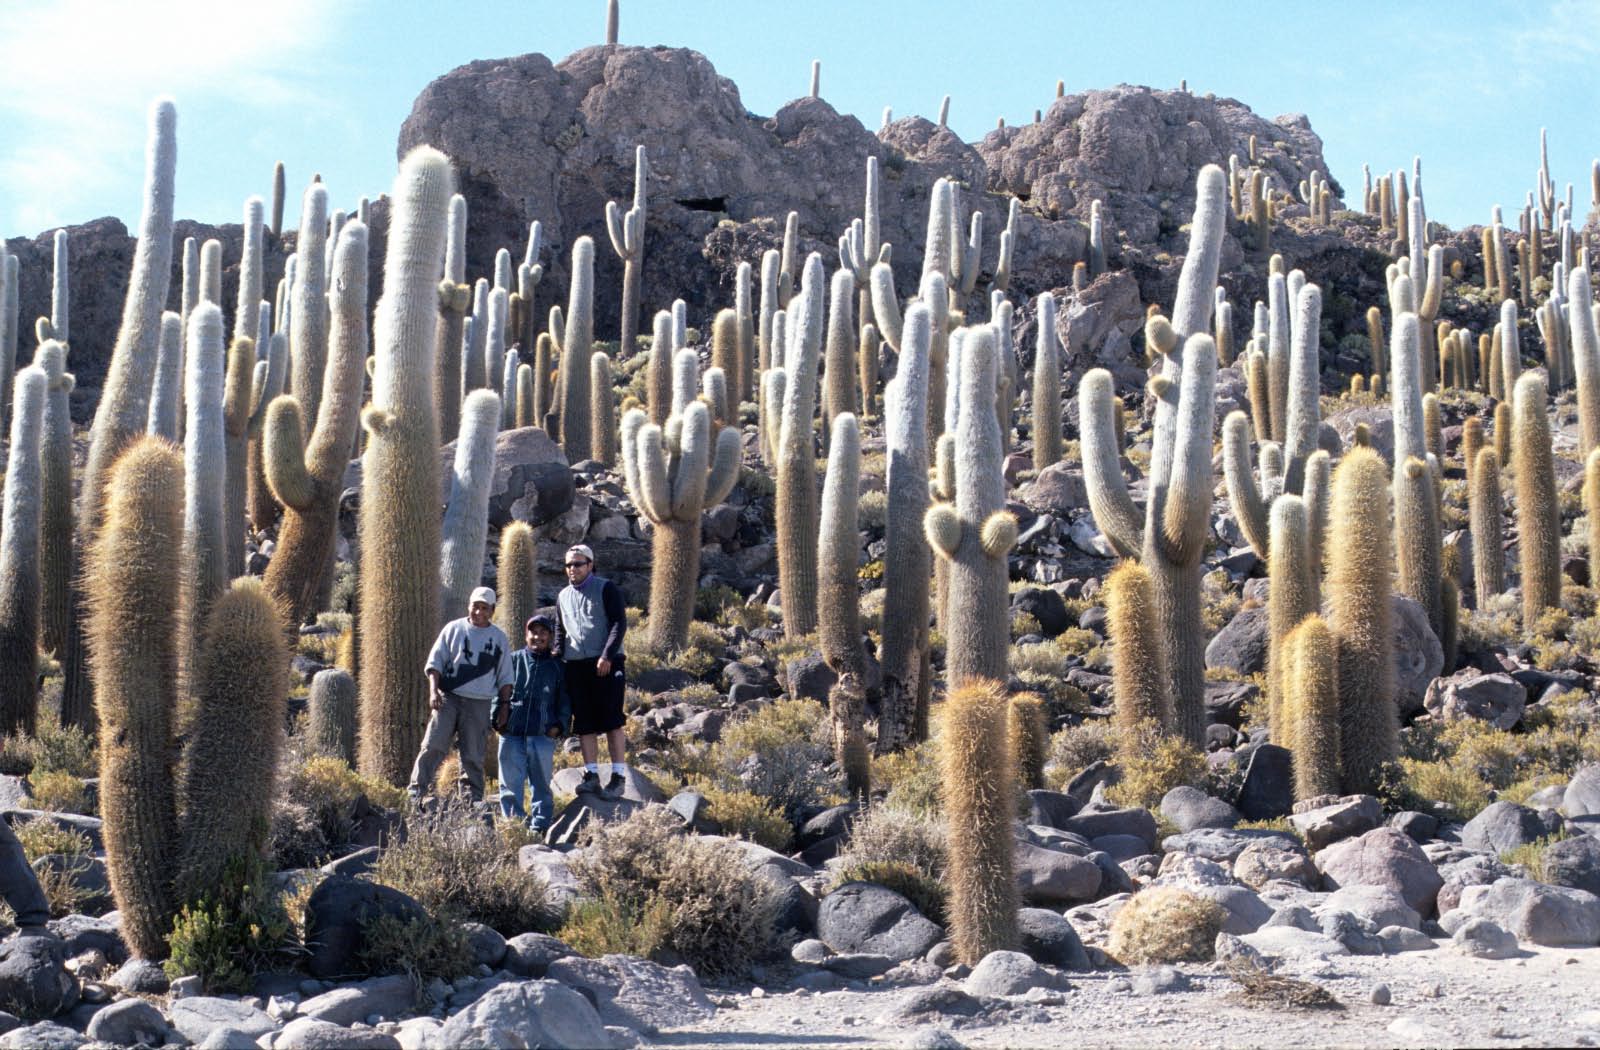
{"points": [[903, 850], [1076, 748], [1153, 764], [748, 816], [781, 753], [58, 792], [458, 867], [646, 874], [1259, 987], [910, 780], [317, 807], [1164, 924]]}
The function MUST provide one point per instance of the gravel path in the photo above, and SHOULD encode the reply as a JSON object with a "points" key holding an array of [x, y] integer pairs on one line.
{"points": [[1439, 999]]}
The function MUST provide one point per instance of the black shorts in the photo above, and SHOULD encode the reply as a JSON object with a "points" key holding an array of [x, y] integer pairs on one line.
{"points": [[596, 701]]}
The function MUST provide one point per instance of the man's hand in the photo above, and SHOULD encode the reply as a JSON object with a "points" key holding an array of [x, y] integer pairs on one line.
{"points": [[602, 667], [503, 721], [436, 702]]}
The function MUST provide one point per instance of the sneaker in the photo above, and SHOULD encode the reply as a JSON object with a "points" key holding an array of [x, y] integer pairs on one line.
{"points": [[615, 787], [590, 785]]}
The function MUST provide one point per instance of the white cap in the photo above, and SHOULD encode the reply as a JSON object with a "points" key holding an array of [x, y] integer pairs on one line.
{"points": [[481, 594], [583, 549]]}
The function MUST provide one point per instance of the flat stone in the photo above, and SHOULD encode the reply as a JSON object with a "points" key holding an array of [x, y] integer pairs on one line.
{"points": [[1398, 939], [636, 992], [1383, 857], [525, 1014], [45, 1035], [1326, 825], [1052, 808], [198, 1016], [865, 917], [307, 1033], [1160, 980], [1190, 808], [385, 996], [140, 977], [1224, 845], [858, 966]]}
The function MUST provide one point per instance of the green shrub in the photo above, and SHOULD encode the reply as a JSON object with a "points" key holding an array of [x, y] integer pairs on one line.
{"points": [[605, 926], [1076, 748], [749, 816], [420, 948], [1530, 855], [782, 753], [41, 836], [721, 913], [227, 940], [58, 792], [1153, 766], [910, 780], [459, 868], [315, 810]]}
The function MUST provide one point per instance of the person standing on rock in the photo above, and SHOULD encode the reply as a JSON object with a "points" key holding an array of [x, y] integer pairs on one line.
{"points": [[531, 723], [469, 666], [589, 639]]}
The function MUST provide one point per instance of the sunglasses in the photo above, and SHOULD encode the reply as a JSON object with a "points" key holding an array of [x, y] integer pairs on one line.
{"points": [[576, 564]]}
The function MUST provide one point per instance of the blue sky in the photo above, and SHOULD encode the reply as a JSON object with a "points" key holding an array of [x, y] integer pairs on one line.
{"points": [[325, 85]]}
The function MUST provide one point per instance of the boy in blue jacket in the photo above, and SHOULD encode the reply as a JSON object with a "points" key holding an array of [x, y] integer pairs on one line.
{"points": [[530, 723]]}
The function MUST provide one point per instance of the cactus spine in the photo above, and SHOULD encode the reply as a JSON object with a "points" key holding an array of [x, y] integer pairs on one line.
{"points": [[726, 354], [241, 686], [1585, 356], [10, 303], [19, 557], [1416, 529], [907, 558], [60, 292], [796, 474], [576, 345], [979, 794], [307, 477], [1138, 672], [673, 473], [1591, 504], [331, 714], [1483, 499], [1538, 504], [1312, 702], [838, 594], [975, 534], [466, 517], [131, 629], [399, 523], [237, 385], [1047, 387], [515, 579], [1361, 615], [1302, 418], [627, 240]]}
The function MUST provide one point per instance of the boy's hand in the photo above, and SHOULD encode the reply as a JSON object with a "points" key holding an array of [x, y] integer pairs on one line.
{"points": [[554, 733], [501, 722]]}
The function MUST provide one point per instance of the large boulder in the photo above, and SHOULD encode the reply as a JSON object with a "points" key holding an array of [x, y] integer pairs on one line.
{"points": [[634, 992], [1048, 876], [1497, 699], [1383, 857], [198, 1016], [34, 981], [1554, 916], [866, 917], [1573, 862], [522, 1014], [337, 914], [1051, 939], [1351, 815], [1503, 826], [1582, 798]]}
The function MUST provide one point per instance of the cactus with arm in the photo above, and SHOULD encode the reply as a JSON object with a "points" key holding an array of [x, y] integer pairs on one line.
{"points": [[627, 240], [19, 556], [796, 474]]}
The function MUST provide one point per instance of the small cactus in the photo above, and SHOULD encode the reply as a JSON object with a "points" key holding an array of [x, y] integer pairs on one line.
{"points": [[1047, 387], [1029, 731], [331, 714], [979, 794], [1311, 698]]}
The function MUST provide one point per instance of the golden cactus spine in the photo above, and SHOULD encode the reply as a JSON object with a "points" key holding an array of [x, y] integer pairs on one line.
{"points": [[1538, 502], [978, 781]]}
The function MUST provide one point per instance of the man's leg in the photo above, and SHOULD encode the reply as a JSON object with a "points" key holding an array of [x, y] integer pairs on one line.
{"points": [[435, 745], [617, 746], [19, 885], [541, 760], [473, 728], [514, 767]]}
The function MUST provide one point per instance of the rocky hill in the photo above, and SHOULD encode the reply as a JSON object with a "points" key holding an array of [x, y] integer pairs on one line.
{"points": [[549, 141]]}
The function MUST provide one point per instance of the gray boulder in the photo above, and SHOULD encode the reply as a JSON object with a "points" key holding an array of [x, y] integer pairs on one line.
{"points": [[1266, 862], [1554, 916], [1583, 793], [1503, 826], [530, 954], [1574, 863], [34, 981], [1379, 905], [46, 1035], [1241, 645], [1051, 939], [308, 1033], [386, 996], [1383, 857], [1245, 911], [1497, 699], [636, 993], [1224, 845], [198, 1016], [525, 1014], [1190, 808], [127, 1022], [1093, 822], [1351, 815], [1268, 789], [1005, 973], [1418, 656], [1048, 876], [866, 917], [1483, 939], [336, 915]]}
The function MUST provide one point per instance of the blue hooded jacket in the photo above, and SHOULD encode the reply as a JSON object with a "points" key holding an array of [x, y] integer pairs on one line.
{"points": [[539, 698]]}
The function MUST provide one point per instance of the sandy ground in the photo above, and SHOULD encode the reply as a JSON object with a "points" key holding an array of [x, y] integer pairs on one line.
{"points": [[1547, 997]]}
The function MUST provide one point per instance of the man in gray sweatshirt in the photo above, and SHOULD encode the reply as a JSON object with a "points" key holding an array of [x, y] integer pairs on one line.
{"points": [[469, 665], [589, 638]]}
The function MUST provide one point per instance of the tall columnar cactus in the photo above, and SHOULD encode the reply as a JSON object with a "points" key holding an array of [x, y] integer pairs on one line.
{"points": [[838, 599], [1302, 416], [1047, 387], [725, 353], [1178, 511], [627, 240], [603, 409], [132, 631], [907, 558], [978, 789], [1417, 547], [307, 477], [19, 556], [976, 533], [211, 272], [1357, 586], [205, 570], [230, 764], [658, 377], [1585, 356], [56, 558], [1097, 240], [466, 516], [399, 522], [10, 303], [1312, 707], [1538, 502], [331, 714], [797, 472], [308, 332], [1138, 672], [1510, 347], [771, 262], [1278, 355], [861, 246], [745, 315], [252, 263], [839, 374], [475, 327], [673, 474], [496, 320], [1029, 730], [238, 386], [576, 346], [1591, 506], [267, 385], [515, 583], [60, 288], [455, 299], [166, 393], [1293, 596]]}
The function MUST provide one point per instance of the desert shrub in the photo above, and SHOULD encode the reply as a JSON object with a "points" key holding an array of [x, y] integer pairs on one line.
{"points": [[749, 816], [1153, 765], [227, 939], [1076, 748], [1530, 855], [58, 792], [41, 836], [721, 913], [420, 948], [1164, 924], [316, 807], [910, 780], [1446, 781], [872, 510], [926, 894], [458, 867], [781, 753], [888, 836], [52, 749], [605, 926]]}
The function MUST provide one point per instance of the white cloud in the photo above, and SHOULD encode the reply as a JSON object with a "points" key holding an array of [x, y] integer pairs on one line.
{"points": [[80, 75]]}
